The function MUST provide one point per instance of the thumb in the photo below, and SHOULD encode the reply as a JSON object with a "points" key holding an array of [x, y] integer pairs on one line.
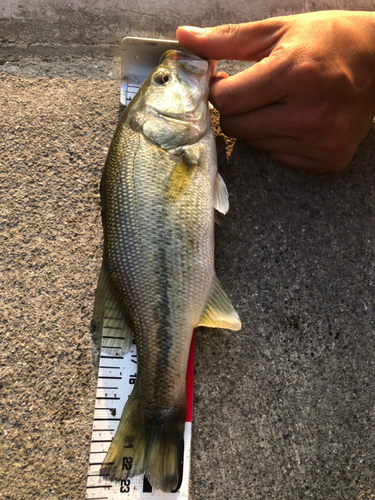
{"points": [[241, 42]]}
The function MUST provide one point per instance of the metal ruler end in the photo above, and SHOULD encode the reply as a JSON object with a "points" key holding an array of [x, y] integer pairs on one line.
{"points": [[139, 56]]}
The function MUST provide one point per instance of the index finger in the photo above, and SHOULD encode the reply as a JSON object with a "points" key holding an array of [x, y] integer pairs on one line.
{"points": [[260, 85], [242, 42]]}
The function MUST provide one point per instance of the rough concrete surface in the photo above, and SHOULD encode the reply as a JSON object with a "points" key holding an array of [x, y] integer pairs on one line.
{"points": [[108, 21], [283, 409]]}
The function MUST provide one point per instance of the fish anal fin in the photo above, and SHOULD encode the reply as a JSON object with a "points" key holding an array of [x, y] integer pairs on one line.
{"points": [[113, 324], [218, 311]]}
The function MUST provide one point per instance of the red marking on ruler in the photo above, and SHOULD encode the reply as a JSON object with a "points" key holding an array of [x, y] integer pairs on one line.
{"points": [[190, 381]]}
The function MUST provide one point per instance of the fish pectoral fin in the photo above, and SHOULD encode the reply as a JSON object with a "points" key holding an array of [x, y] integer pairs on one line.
{"points": [[221, 200], [218, 311], [113, 324], [182, 174]]}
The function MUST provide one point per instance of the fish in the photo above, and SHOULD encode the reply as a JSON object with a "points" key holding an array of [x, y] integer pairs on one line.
{"points": [[159, 190]]}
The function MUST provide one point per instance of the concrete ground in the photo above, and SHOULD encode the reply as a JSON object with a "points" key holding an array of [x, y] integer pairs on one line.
{"points": [[283, 409]]}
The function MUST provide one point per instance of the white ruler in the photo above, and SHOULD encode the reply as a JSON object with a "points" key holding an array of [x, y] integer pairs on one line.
{"points": [[116, 378]]}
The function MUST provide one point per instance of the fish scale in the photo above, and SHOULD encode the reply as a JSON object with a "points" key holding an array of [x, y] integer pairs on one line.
{"points": [[144, 188]]}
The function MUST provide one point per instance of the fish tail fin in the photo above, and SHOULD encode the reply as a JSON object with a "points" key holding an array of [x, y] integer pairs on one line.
{"points": [[165, 449], [153, 447]]}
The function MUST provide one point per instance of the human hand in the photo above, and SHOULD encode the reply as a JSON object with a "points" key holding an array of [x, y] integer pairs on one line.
{"points": [[310, 98]]}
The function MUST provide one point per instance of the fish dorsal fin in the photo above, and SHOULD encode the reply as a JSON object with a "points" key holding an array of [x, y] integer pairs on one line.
{"points": [[221, 201], [182, 175], [113, 324], [218, 311]]}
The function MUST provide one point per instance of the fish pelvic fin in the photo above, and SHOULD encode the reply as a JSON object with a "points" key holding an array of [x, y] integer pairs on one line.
{"points": [[114, 328], [221, 197], [153, 447], [218, 311]]}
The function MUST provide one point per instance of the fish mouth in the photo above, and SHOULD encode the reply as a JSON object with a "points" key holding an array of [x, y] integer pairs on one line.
{"points": [[192, 116]]}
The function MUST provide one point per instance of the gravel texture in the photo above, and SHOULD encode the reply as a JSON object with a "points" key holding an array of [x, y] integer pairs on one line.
{"points": [[283, 409]]}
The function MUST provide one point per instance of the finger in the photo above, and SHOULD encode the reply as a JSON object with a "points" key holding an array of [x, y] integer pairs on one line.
{"points": [[264, 123], [266, 129], [291, 147], [282, 145], [297, 154], [306, 164], [262, 84], [241, 42], [269, 133], [297, 162]]}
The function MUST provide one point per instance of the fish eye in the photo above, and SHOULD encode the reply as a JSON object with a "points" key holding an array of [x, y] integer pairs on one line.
{"points": [[161, 78]]}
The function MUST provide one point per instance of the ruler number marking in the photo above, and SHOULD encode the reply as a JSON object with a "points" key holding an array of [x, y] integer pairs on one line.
{"points": [[125, 486]]}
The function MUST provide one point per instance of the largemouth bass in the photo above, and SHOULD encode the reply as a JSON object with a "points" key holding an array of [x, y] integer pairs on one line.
{"points": [[159, 188]]}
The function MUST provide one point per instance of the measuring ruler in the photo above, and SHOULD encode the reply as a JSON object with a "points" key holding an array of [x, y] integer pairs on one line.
{"points": [[116, 379]]}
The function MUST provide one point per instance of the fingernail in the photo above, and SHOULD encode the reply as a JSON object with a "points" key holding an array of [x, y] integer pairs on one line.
{"points": [[220, 75], [194, 30]]}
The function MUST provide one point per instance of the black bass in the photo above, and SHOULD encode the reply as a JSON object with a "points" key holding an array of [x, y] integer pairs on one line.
{"points": [[159, 189]]}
